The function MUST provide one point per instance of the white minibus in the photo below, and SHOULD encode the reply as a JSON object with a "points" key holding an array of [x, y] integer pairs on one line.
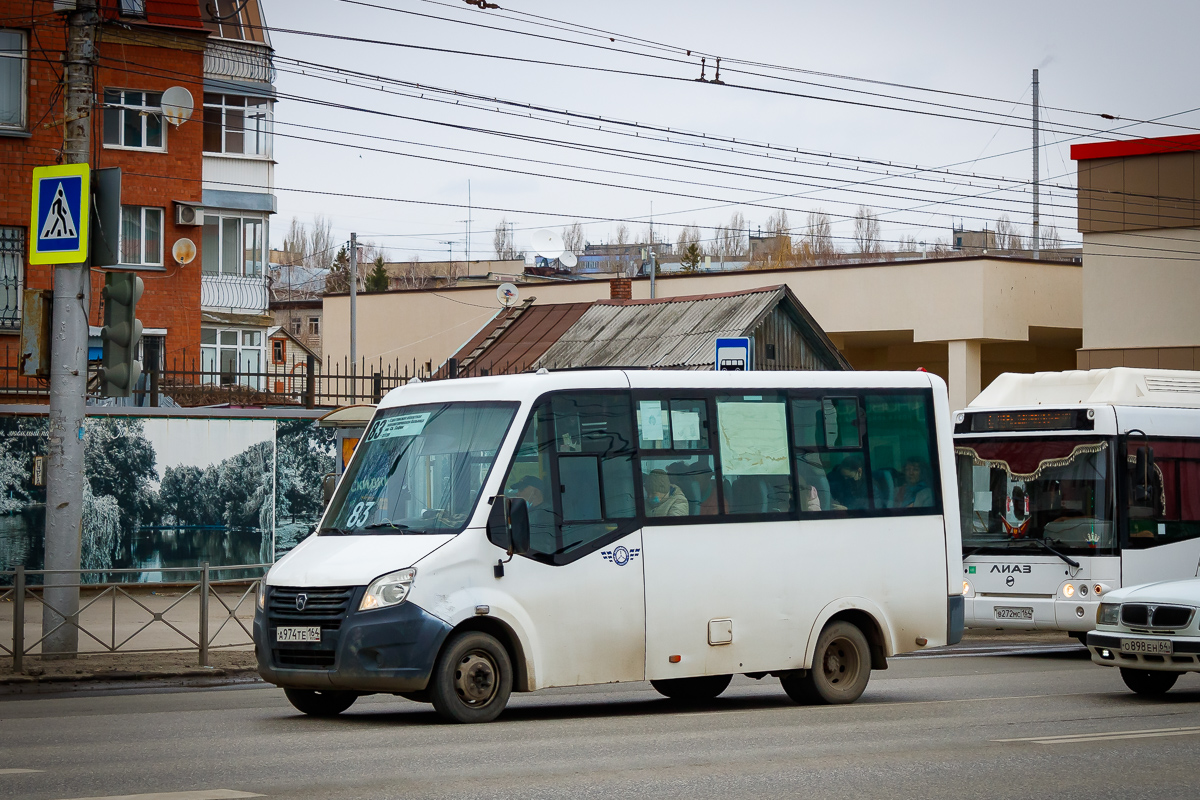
{"points": [[512, 533], [1072, 484]]}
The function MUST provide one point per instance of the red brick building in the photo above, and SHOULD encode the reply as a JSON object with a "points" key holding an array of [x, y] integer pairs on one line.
{"points": [[143, 48]]}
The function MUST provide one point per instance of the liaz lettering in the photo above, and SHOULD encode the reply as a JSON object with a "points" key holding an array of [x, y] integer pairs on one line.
{"points": [[1004, 568]]}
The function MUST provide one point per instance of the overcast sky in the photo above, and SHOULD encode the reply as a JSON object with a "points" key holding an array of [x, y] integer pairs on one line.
{"points": [[1128, 60]]}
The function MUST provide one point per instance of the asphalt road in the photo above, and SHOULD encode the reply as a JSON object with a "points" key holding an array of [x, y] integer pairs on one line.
{"points": [[1001, 726]]}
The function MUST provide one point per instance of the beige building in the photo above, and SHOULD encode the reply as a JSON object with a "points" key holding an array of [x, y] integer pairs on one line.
{"points": [[966, 319], [1139, 213]]}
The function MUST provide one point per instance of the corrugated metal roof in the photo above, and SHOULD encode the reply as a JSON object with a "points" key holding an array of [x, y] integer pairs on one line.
{"points": [[525, 339], [667, 333]]}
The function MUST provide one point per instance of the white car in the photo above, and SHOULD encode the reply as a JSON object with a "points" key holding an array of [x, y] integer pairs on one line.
{"points": [[1152, 632]]}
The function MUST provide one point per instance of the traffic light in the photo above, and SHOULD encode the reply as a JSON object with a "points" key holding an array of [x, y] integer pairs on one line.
{"points": [[122, 330]]}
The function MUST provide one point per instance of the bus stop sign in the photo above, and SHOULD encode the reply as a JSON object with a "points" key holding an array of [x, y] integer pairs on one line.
{"points": [[733, 354], [58, 219]]}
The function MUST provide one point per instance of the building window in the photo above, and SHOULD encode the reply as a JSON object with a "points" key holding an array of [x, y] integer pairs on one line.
{"points": [[278, 351], [133, 119], [141, 236], [237, 125], [12, 80], [12, 262], [133, 8], [234, 246], [231, 355], [314, 326], [295, 327]]}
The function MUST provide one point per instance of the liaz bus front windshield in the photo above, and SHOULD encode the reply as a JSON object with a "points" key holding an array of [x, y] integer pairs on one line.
{"points": [[1034, 494], [419, 469]]}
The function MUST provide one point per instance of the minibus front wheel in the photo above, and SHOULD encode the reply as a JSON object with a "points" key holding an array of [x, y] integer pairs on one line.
{"points": [[472, 679], [840, 670], [320, 704]]}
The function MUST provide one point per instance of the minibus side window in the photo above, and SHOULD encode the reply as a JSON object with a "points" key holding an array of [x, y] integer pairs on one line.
{"points": [[678, 466], [529, 478], [752, 436], [832, 469], [903, 463]]}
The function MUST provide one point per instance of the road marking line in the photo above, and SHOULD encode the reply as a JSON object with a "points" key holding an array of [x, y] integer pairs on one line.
{"points": [[201, 794], [1103, 736], [18, 771]]}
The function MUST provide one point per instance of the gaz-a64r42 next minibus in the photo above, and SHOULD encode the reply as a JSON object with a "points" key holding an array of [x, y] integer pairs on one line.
{"points": [[513, 533]]}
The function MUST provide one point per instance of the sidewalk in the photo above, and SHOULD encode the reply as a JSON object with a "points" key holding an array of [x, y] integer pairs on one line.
{"points": [[137, 618]]}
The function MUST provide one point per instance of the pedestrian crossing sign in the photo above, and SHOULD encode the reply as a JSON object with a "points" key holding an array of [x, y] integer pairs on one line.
{"points": [[58, 219]]}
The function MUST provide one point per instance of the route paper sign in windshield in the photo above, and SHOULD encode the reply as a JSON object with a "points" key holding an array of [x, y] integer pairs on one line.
{"points": [[58, 218]]}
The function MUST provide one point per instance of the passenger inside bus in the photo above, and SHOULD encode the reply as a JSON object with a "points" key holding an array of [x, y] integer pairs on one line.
{"points": [[663, 498], [915, 491], [847, 485], [541, 515]]}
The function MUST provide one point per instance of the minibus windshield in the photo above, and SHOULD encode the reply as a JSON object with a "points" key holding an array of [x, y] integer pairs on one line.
{"points": [[419, 469], [1016, 495]]}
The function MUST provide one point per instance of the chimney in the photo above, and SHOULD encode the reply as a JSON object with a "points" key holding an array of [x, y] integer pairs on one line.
{"points": [[620, 289]]}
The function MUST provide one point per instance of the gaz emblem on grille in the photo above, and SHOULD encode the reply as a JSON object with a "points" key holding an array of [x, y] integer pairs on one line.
{"points": [[301, 601]]}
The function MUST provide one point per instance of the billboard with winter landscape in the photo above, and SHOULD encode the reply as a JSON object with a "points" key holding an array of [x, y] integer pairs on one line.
{"points": [[171, 491]]}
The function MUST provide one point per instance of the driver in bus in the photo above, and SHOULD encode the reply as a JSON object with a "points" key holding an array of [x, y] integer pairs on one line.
{"points": [[533, 492]]}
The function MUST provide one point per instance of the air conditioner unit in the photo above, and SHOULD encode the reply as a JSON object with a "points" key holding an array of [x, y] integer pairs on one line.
{"points": [[188, 215]]}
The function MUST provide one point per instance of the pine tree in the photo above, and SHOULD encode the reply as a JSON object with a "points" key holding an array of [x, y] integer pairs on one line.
{"points": [[378, 279]]}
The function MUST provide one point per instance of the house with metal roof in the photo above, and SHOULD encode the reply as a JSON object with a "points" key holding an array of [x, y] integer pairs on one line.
{"points": [[661, 333]]}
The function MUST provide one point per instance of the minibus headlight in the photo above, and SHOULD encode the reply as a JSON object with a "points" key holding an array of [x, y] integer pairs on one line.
{"points": [[1108, 613], [388, 590], [262, 594]]}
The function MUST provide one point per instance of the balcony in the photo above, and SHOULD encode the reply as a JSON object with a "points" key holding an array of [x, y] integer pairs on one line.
{"points": [[239, 60], [234, 294]]}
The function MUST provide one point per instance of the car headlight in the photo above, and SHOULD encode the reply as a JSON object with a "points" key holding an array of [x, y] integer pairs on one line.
{"points": [[262, 595], [1108, 613], [388, 590]]}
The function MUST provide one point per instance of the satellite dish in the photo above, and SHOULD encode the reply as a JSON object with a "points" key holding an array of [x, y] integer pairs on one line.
{"points": [[507, 294], [568, 259], [547, 244], [177, 105], [183, 251]]}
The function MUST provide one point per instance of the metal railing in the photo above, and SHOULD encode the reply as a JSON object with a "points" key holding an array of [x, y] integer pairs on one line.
{"points": [[209, 615]]}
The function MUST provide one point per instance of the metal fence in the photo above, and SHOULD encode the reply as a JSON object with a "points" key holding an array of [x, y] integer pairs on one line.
{"points": [[120, 613]]}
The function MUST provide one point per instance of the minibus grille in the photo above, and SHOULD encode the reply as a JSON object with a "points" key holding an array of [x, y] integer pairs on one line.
{"points": [[325, 606], [304, 659], [1142, 615]]}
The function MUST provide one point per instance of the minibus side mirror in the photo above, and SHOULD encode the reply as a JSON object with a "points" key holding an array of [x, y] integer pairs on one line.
{"points": [[328, 487], [508, 524]]}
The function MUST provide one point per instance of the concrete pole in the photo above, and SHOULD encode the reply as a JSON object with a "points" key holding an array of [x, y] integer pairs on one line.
{"points": [[1037, 244], [353, 315], [965, 356], [653, 270], [68, 365]]}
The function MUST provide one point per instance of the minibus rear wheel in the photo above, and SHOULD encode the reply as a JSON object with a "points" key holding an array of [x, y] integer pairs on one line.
{"points": [[840, 670], [320, 704], [472, 679], [703, 687]]}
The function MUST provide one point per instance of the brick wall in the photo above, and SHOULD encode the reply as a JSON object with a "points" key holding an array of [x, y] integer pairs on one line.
{"points": [[143, 59]]}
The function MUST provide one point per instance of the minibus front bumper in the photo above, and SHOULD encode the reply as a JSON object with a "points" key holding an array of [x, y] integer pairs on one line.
{"points": [[382, 650]]}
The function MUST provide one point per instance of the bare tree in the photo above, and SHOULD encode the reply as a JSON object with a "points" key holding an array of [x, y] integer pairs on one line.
{"points": [[818, 236], [908, 244], [777, 252], [1050, 238], [688, 235], [573, 239], [503, 242], [621, 243], [411, 274], [866, 231], [1008, 235], [730, 241]]}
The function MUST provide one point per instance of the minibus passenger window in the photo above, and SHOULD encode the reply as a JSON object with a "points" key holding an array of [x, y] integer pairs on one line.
{"points": [[902, 460], [755, 467]]}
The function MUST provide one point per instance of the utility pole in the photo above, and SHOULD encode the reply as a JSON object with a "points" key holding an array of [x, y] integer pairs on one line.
{"points": [[353, 306], [1037, 236], [468, 226], [653, 270], [68, 365]]}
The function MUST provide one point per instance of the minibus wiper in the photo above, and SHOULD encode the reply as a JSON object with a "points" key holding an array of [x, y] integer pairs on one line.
{"points": [[386, 524], [333, 532]]}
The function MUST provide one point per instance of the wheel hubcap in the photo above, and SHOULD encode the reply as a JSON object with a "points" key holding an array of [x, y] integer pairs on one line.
{"points": [[475, 678], [840, 664]]}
